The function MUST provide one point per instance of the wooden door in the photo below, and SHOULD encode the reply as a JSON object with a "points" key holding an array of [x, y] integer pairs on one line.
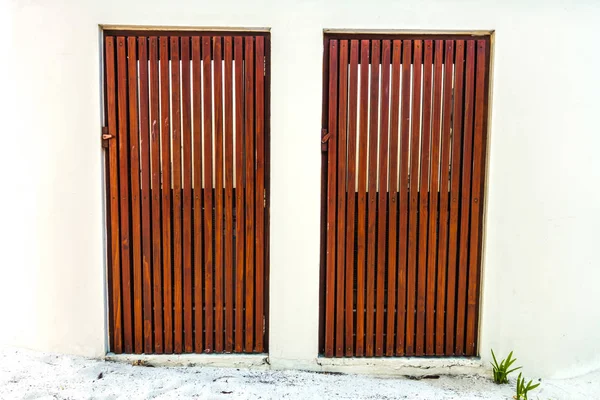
{"points": [[405, 134], [187, 137]]}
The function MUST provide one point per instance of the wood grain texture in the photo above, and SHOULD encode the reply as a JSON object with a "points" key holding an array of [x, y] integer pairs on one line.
{"points": [[351, 197], [424, 198], [176, 166], [430, 343], [207, 116], [229, 183], [219, 257], [372, 196], [341, 197], [479, 142], [331, 199], [146, 195], [166, 192], [187, 212], [198, 195], [134, 164], [156, 196], [459, 59], [123, 136], [363, 145], [382, 196], [443, 201], [250, 159], [260, 198], [393, 193], [113, 179], [465, 206], [403, 189], [411, 281], [239, 193]]}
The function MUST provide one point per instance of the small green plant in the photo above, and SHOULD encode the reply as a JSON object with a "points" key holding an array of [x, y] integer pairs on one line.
{"points": [[502, 370], [523, 389]]}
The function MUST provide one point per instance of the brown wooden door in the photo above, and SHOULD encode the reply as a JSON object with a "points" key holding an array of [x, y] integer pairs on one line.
{"points": [[187, 171], [405, 136]]}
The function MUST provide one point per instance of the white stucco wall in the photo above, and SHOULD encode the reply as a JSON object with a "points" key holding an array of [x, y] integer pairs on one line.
{"points": [[541, 266]]}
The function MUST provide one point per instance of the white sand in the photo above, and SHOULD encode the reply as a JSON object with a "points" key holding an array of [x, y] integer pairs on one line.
{"points": [[30, 375]]}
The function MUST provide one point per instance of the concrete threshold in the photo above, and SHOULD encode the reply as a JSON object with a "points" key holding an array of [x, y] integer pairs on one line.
{"points": [[418, 367], [192, 360]]}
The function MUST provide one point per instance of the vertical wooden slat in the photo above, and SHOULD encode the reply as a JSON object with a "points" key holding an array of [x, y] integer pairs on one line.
{"points": [[267, 128], [423, 200], [239, 193], [218, 97], [249, 131], [465, 200], [166, 191], [331, 199], [176, 154], [372, 195], [443, 218], [351, 196], [208, 191], [393, 194], [229, 288], [433, 198], [341, 197], [124, 192], [454, 194], [198, 194], [187, 214], [382, 194], [362, 196], [156, 196], [113, 177], [267, 217], [134, 164], [411, 282], [145, 183], [403, 224], [477, 197], [260, 193]]}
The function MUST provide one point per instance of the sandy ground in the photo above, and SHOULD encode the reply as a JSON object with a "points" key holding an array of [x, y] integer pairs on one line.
{"points": [[30, 375]]}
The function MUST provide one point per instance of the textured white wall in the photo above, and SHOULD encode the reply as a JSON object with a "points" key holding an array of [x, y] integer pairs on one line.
{"points": [[541, 266]]}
